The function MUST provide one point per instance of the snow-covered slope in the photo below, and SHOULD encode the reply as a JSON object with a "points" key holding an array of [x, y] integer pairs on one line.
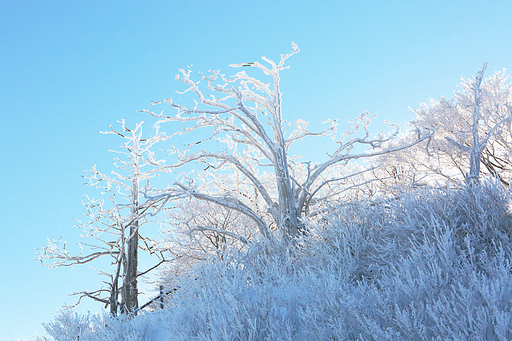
{"points": [[434, 265]]}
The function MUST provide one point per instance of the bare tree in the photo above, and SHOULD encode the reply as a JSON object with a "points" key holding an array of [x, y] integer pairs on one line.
{"points": [[472, 129], [475, 149], [115, 228], [245, 113]]}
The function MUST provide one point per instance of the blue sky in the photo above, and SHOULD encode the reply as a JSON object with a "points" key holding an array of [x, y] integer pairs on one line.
{"points": [[69, 69]]}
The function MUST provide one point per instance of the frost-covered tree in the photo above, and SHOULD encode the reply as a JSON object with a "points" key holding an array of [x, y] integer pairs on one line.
{"points": [[473, 100], [472, 130], [245, 113], [114, 226]]}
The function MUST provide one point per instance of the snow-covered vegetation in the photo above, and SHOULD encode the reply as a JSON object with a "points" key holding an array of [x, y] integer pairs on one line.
{"points": [[412, 245], [434, 264]]}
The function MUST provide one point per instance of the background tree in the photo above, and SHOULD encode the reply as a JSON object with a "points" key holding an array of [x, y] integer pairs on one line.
{"points": [[472, 129], [115, 227], [473, 100], [245, 114]]}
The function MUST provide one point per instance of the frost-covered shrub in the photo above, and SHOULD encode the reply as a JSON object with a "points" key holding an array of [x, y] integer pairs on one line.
{"points": [[252, 295], [70, 326], [433, 264]]}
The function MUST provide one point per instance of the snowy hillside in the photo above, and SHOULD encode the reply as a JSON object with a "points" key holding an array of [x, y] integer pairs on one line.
{"points": [[432, 264]]}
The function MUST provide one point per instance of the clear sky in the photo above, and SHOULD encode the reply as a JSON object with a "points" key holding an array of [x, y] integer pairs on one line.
{"points": [[71, 68]]}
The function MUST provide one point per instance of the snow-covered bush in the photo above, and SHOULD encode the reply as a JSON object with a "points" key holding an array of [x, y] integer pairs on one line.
{"points": [[70, 326], [434, 264]]}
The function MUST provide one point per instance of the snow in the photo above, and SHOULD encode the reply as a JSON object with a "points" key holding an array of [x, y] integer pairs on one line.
{"points": [[158, 331]]}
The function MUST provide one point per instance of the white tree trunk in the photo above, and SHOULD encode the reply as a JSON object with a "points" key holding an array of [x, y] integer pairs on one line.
{"points": [[130, 301]]}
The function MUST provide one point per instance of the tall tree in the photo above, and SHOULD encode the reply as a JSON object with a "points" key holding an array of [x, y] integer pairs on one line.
{"points": [[115, 227], [245, 113]]}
